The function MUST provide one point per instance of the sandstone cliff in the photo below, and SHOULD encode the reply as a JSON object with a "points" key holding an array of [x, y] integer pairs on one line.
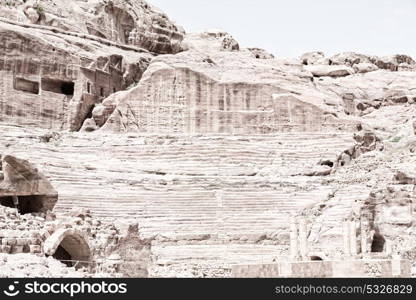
{"points": [[211, 147]]}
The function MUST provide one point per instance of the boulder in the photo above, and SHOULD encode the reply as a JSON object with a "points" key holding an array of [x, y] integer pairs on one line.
{"points": [[398, 96], [319, 171], [230, 44], [79, 212], [313, 58], [393, 62]]}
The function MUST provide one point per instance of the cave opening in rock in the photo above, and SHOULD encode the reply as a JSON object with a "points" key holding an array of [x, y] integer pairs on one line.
{"points": [[378, 243], [63, 256], [7, 202], [25, 204], [58, 86], [316, 258]]}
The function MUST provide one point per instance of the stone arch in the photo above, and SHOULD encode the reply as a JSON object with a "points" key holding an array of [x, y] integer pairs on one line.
{"points": [[69, 246]]}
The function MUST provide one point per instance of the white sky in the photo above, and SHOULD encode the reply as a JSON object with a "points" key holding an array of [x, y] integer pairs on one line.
{"points": [[290, 28]]}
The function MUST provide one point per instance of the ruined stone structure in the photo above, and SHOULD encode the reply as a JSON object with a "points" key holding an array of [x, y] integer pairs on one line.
{"points": [[196, 104]]}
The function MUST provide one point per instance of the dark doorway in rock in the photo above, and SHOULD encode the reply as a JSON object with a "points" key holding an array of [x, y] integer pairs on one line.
{"points": [[58, 86], [316, 258], [7, 202], [63, 256], [378, 243]]}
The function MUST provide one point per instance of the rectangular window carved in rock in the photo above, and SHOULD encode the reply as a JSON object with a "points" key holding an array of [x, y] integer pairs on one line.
{"points": [[58, 86], [27, 86]]}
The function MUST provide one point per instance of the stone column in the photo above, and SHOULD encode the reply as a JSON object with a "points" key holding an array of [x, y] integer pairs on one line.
{"points": [[293, 239], [16, 202], [353, 237], [346, 235], [303, 238]]}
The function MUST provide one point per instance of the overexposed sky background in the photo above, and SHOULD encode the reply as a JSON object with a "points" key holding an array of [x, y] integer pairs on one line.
{"points": [[290, 28]]}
